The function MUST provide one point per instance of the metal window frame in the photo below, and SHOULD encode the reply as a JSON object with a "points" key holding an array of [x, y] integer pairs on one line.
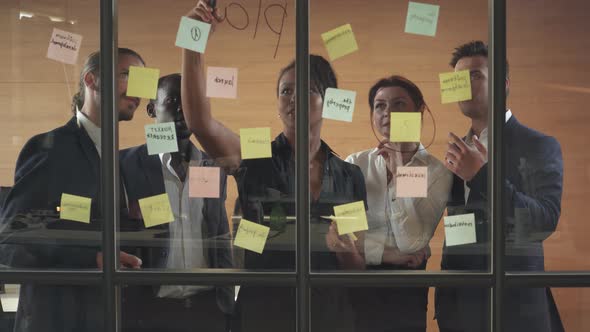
{"points": [[112, 279]]}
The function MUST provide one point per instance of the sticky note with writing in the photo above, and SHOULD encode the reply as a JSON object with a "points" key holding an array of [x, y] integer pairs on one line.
{"points": [[192, 34], [411, 181], [222, 82], [405, 126], [455, 86], [161, 138], [351, 217], [76, 208], [340, 42], [422, 19], [460, 229], [251, 236], [64, 46], [255, 143], [143, 82], [339, 104], [156, 210], [204, 182]]}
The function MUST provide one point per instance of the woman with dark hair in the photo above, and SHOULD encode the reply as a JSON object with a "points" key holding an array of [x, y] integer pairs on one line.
{"points": [[267, 195], [399, 227]]}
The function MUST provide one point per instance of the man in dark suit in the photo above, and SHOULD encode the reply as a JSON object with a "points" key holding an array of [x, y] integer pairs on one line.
{"points": [[532, 201], [199, 236], [64, 160]]}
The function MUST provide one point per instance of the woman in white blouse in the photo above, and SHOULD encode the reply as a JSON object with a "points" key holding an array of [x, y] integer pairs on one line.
{"points": [[400, 228]]}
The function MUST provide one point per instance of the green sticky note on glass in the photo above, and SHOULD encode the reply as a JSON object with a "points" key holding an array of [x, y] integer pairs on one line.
{"points": [[339, 104], [156, 210], [422, 19], [76, 208], [143, 82], [460, 230], [161, 138], [340, 42], [455, 86], [251, 236], [351, 217], [405, 126], [192, 34], [255, 143]]}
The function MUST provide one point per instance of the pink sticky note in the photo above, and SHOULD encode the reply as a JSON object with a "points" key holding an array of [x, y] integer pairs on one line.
{"points": [[204, 182], [411, 181], [222, 82], [64, 46]]}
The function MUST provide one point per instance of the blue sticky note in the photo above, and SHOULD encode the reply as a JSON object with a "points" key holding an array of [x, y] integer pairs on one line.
{"points": [[192, 34], [161, 138], [422, 19]]}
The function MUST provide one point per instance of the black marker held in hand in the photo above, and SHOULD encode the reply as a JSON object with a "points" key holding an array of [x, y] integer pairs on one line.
{"points": [[213, 4]]}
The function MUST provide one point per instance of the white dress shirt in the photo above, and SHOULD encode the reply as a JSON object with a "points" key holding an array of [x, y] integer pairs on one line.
{"points": [[404, 223], [92, 129]]}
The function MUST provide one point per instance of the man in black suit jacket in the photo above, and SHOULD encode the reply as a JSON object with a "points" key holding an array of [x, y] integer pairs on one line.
{"points": [[178, 308], [64, 160], [532, 201]]}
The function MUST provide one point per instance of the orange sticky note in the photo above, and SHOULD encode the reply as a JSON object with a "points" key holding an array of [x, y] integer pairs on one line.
{"points": [[222, 82], [143, 82], [411, 181], [64, 46], [76, 208], [204, 182], [255, 143], [351, 217], [156, 210], [251, 236]]}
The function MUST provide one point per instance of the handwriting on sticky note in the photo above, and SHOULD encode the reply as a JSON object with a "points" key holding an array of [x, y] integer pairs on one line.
{"points": [[255, 143], [460, 229], [411, 181], [455, 86], [161, 138], [204, 182], [251, 236], [192, 34], [143, 82], [64, 46], [76, 208], [351, 217], [422, 19], [340, 42], [156, 210], [405, 126], [222, 82], [339, 104]]}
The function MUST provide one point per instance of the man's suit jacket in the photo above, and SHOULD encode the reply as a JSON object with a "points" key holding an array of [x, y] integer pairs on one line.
{"points": [[532, 201], [63, 160], [142, 174]]}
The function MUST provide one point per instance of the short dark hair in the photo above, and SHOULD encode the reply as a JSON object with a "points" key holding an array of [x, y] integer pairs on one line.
{"points": [[397, 81], [321, 74], [472, 49]]}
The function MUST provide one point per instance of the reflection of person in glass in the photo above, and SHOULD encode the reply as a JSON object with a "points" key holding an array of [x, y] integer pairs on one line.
{"points": [[64, 160], [399, 227], [190, 245], [267, 189], [532, 202]]}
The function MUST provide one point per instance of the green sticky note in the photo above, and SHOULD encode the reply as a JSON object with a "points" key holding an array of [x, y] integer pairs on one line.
{"points": [[161, 138], [340, 42], [192, 34], [405, 126], [422, 19], [351, 217], [156, 210], [339, 104], [143, 82], [255, 143], [460, 230], [76, 208], [455, 86], [251, 236]]}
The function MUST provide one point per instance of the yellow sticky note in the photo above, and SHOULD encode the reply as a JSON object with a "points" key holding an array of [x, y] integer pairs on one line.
{"points": [[455, 86], [354, 217], [405, 126], [340, 42], [143, 82], [251, 236], [255, 143], [156, 210], [76, 208]]}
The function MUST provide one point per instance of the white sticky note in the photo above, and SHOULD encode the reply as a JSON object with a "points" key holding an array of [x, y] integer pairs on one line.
{"points": [[192, 34], [339, 104], [411, 181], [161, 138], [222, 82], [460, 229], [64, 46]]}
